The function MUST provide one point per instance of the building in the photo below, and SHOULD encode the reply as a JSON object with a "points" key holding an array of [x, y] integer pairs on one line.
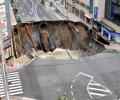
{"points": [[87, 10], [81, 8], [104, 13], [109, 19], [112, 19]]}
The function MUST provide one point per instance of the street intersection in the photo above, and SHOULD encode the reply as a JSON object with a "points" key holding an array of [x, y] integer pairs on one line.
{"points": [[92, 78]]}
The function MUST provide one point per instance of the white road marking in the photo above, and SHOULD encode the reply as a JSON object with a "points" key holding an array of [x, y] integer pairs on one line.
{"points": [[1, 89], [72, 93], [74, 80], [1, 81], [13, 73], [98, 88], [9, 78], [97, 84], [15, 82], [16, 93], [15, 86], [10, 75], [15, 90], [1, 85], [2, 93], [83, 74], [73, 98], [90, 88], [103, 91], [97, 94]]}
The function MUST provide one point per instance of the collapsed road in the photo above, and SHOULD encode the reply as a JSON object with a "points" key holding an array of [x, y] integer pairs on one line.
{"points": [[49, 35]]}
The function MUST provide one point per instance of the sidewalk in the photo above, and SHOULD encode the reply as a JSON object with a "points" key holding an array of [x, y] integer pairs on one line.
{"points": [[52, 10], [113, 46], [60, 8]]}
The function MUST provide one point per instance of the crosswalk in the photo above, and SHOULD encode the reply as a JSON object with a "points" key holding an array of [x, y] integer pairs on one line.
{"points": [[97, 90], [14, 84]]}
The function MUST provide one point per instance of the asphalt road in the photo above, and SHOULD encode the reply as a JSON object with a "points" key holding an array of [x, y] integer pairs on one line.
{"points": [[90, 78], [32, 10]]}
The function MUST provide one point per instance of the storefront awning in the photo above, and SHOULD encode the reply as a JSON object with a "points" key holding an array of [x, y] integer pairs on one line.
{"points": [[106, 26]]}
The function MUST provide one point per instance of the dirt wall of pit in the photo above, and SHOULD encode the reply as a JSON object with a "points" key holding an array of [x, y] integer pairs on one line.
{"points": [[49, 35]]}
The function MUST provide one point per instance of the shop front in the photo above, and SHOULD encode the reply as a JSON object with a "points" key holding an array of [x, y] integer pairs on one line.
{"points": [[112, 34]]}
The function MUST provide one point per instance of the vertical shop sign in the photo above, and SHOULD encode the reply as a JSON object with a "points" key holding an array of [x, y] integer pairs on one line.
{"points": [[95, 13]]}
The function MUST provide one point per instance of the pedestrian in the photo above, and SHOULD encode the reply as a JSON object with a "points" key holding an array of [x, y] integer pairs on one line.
{"points": [[43, 3], [51, 4]]}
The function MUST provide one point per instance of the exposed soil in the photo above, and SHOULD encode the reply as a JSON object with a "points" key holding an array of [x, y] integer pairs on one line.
{"points": [[49, 35]]}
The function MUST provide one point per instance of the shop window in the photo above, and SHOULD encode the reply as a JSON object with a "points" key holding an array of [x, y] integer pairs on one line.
{"points": [[88, 20], [82, 15], [112, 11], [91, 10], [77, 12], [87, 7]]}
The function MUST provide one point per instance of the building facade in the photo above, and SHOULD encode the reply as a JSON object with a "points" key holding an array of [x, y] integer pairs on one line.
{"points": [[111, 20], [81, 8], [112, 11], [104, 13]]}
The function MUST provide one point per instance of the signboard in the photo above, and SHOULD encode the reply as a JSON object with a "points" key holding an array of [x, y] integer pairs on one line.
{"points": [[95, 13], [8, 52], [3, 20], [4, 29], [91, 6]]}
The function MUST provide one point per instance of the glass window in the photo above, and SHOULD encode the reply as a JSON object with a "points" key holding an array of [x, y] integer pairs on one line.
{"points": [[77, 12], [87, 7], [112, 11], [82, 4]]}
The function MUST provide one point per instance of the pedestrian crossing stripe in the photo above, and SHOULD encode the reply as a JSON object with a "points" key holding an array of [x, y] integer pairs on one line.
{"points": [[97, 90], [14, 84]]}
